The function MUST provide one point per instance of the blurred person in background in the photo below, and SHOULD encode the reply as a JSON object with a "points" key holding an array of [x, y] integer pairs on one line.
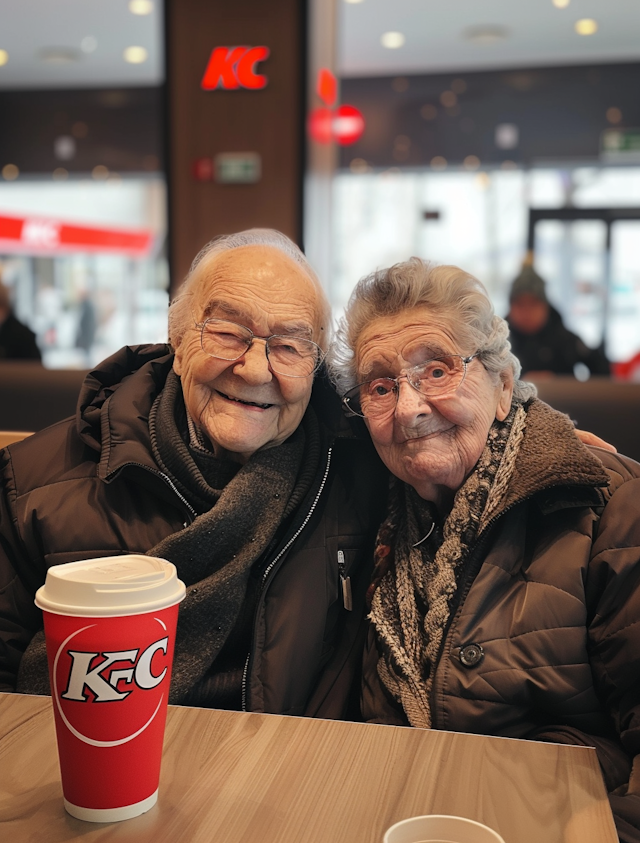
{"points": [[17, 342], [539, 338], [223, 454], [505, 598], [87, 323]]}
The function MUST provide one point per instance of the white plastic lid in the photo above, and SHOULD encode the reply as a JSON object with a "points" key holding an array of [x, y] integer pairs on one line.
{"points": [[112, 585]]}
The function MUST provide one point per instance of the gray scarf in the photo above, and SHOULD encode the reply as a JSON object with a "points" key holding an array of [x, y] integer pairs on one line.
{"points": [[411, 605]]}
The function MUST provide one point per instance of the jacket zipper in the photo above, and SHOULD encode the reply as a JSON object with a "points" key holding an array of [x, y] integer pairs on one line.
{"points": [[169, 482], [271, 565]]}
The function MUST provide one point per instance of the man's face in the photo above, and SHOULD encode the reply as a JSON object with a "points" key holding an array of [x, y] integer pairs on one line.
{"points": [[242, 405], [528, 313]]}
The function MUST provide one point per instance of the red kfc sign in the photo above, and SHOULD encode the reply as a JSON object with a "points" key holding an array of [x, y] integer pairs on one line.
{"points": [[344, 124], [231, 68]]}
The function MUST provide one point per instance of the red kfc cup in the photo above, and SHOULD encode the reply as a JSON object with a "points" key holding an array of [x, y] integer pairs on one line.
{"points": [[110, 627]]}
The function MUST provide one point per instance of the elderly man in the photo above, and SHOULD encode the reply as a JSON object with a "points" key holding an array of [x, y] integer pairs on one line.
{"points": [[222, 455]]}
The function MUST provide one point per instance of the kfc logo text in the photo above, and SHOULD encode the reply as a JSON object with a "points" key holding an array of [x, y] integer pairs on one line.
{"points": [[231, 68], [103, 681]]}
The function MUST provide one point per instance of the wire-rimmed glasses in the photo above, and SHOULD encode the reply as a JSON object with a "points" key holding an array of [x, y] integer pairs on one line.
{"points": [[294, 357], [434, 378]]}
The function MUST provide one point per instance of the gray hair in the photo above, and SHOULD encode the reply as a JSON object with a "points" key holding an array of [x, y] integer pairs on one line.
{"points": [[180, 309], [449, 292]]}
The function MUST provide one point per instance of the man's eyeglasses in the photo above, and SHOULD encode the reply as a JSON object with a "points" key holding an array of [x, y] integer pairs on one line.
{"points": [[435, 378], [294, 357]]}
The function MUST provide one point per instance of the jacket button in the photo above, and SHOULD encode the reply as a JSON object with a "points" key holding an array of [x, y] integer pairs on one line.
{"points": [[471, 654]]}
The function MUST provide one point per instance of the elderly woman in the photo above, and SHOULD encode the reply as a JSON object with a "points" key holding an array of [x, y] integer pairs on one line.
{"points": [[505, 597]]}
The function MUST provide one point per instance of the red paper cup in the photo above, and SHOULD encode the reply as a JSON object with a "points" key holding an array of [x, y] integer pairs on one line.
{"points": [[110, 630]]}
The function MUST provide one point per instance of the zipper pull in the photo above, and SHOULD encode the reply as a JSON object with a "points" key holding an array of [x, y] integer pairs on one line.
{"points": [[345, 582]]}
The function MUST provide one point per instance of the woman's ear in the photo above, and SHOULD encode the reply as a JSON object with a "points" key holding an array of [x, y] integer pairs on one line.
{"points": [[505, 397]]}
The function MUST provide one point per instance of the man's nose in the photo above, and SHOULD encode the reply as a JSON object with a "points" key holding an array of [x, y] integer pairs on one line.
{"points": [[253, 366], [410, 403]]}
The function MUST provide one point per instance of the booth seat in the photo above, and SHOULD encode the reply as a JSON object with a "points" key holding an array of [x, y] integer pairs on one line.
{"points": [[32, 397], [608, 408]]}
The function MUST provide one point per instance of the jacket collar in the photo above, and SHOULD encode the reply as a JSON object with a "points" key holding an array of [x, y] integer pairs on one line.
{"points": [[116, 399], [552, 460]]}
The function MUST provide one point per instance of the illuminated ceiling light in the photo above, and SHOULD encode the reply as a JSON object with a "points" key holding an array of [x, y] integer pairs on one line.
{"points": [[135, 55], [10, 172], [100, 172], [4, 57], [353, 2], [392, 40], [485, 34], [586, 26], [439, 163], [561, 4], [140, 7]]}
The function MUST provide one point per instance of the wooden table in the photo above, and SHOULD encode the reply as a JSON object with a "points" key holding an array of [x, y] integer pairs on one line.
{"points": [[229, 777]]}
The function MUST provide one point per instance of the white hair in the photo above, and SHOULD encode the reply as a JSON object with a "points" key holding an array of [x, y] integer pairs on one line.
{"points": [[180, 310], [449, 292]]}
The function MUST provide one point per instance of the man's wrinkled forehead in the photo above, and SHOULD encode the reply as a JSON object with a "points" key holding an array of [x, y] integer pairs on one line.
{"points": [[250, 265], [259, 278]]}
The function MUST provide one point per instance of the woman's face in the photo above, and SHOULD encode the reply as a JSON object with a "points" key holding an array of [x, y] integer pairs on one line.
{"points": [[432, 443]]}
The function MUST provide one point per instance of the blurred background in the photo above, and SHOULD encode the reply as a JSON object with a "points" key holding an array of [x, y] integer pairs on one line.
{"points": [[484, 133]]}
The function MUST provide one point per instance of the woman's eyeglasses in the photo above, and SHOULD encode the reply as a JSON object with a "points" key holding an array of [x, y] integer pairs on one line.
{"points": [[434, 379], [294, 357]]}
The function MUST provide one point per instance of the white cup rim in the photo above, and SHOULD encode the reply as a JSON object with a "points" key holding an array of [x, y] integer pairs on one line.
{"points": [[462, 820]]}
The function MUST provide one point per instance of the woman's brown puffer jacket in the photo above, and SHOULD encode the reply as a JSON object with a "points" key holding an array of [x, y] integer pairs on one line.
{"points": [[551, 593]]}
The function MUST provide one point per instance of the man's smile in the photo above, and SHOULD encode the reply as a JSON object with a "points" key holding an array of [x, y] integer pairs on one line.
{"points": [[246, 403]]}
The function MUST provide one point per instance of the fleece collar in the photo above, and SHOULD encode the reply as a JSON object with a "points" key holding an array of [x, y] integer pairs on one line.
{"points": [[551, 457]]}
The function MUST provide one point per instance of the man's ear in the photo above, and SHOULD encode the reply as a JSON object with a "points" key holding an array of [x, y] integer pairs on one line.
{"points": [[506, 395], [177, 359]]}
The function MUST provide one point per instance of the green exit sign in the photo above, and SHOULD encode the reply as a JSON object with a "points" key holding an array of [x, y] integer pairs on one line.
{"points": [[238, 167], [621, 144]]}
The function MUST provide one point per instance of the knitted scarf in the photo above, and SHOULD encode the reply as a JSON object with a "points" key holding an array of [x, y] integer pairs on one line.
{"points": [[415, 579]]}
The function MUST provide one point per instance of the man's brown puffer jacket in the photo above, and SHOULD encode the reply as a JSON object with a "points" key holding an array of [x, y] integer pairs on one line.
{"points": [[89, 487]]}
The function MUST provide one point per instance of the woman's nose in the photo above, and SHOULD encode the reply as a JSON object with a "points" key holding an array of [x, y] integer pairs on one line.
{"points": [[410, 403]]}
